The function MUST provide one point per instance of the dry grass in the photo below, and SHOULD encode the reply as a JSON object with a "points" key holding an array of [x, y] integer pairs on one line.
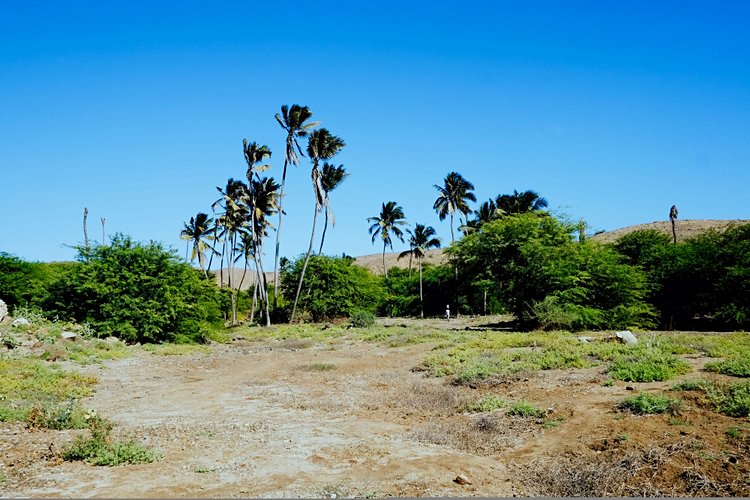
{"points": [[685, 229]]}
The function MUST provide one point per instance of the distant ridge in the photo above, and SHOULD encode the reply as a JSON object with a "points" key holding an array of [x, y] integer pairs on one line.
{"points": [[685, 229]]}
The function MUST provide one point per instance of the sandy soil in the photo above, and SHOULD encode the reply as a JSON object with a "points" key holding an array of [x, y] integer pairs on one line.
{"points": [[289, 419]]}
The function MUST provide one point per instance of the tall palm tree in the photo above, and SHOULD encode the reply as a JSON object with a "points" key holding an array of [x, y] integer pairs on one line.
{"points": [[321, 145], [294, 120], [420, 240], [331, 177], [199, 230], [520, 203], [454, 193], [486, 212], [387, 224]]}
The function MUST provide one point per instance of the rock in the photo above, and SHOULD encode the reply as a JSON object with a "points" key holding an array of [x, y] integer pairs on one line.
{"points": [[626, 337], [112, 340], [586, 339], [461, 479], [68, 335], [3, 309], [20, 322]]}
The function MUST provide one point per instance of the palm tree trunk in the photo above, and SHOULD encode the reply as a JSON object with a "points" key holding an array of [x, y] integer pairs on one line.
{"points": [[304, 265], [411, 255], [278, 235], [255, 297], [421, 296], [453, 239], [323, 237], [232, 290], [385, 268], [674, 233], [85, 228], [244, 272]]}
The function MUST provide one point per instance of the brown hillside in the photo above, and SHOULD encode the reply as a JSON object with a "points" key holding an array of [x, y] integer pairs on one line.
{"points": [[374, 262], [685, 228]]}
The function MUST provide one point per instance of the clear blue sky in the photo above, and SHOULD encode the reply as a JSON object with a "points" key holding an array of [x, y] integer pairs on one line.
{"points": [[612, 110]]}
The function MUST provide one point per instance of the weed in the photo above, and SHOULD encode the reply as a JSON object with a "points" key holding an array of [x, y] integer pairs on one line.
{"points": [[608, 383], [525, 409], [551, 423], [692, 385], [622, 437], [58, 417], [649, 404], [677, 421], [737, 367], [733, 400], [318, 367], [651, 367], [99, 448], [734, 432], [176, 349], [487, 403], [362, 319], [202, 470]]}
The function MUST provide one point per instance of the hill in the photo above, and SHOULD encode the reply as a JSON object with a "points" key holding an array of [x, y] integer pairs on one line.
{"points": [[685, 229]]}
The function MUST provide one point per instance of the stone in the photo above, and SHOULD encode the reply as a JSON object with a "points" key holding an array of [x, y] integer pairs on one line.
{"points": [[461, 479], [20, 322], [68, 335], [585, 339], [626, 337], [3, 309]]}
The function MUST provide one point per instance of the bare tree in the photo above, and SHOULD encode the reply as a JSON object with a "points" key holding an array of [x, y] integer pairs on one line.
{"points": [[673, 218]]}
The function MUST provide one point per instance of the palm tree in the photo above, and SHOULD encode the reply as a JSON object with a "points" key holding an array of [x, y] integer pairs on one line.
{"points": [[454, 193], [198, 230], [486, 212], [330, 178], [420, 240], [387, 223], [294, 121], [673, 219], [321, 145], [520, 203]]}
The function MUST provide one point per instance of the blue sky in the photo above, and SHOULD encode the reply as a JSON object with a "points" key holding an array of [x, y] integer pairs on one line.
{"points": [[611, 110]]}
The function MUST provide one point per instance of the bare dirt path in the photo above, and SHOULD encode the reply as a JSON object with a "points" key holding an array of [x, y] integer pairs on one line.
{"points": [[249, 420]]}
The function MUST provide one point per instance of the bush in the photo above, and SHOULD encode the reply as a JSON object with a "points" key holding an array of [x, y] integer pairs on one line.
{"points": [[137, 292], [649, 404], [487, 403], [362, 319], [334, 287], [733, 400]]}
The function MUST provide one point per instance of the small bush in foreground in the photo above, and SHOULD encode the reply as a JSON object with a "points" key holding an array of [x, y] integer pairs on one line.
{"points": [[739, 367], [100, 449], [525, 409], [650, 368], [733, 400], [487, 403], [649, 404]]}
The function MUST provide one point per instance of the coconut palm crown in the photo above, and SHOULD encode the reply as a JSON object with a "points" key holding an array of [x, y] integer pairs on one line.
{"points": [[452, 198]]}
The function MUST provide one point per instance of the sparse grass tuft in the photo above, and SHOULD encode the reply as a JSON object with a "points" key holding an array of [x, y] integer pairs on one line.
{"points": [[651, 367], [177, 349], [318, 367], [525, 409], [650, 404], [487, 403]]}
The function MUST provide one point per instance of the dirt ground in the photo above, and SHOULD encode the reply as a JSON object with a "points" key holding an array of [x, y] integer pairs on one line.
{"points": [[292, 418]]}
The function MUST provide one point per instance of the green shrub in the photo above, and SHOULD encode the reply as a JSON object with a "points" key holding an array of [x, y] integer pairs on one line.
{"points": [[733, 400], [649, 404], [739, 367], [525, 409], [334, 287], [487, 403], [362, 319], [137, 292], [652, 367], [692, 385], [99, 448]]}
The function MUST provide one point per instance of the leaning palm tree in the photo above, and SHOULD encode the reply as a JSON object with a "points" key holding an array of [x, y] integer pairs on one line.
{"points": [[199, 230], [387, 224], [454, 193], [294, 120], [321, 145], [420, 240], [331, 177]]}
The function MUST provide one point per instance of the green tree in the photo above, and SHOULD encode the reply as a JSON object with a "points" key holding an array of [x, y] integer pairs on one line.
{"points": [[452, 198], [387, 224], [520, 203], [331, 177], [321, 145], [294, 121], [420, 240]]}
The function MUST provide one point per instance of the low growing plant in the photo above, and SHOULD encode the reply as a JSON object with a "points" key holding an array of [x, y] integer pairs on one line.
{"points": [[650, 404], [654, 366], [525, 409], [99, 448], [487, 403], [738, 367]]}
